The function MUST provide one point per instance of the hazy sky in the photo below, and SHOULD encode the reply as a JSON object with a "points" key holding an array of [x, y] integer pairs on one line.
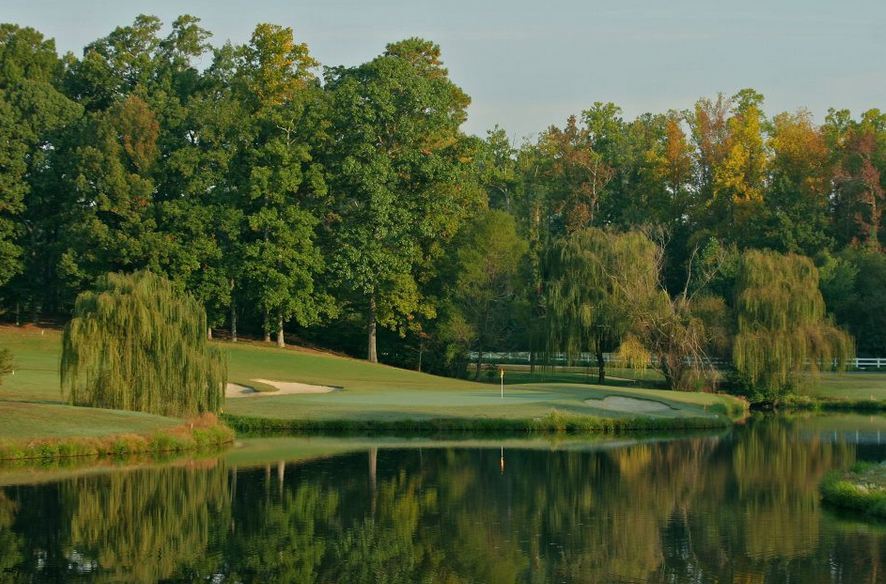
{"points": [[527, 65]]}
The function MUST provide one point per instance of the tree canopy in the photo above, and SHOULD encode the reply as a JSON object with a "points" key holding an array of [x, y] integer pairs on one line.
{"points": [[332, 204]]}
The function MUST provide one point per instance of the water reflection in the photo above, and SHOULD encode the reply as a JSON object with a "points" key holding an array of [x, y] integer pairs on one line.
{"points": [[736, 508]]}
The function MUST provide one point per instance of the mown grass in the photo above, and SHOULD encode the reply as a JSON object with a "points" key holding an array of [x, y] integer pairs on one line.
{"points": [[382, 397], [858, 386], [862, 488], [374, 395]]}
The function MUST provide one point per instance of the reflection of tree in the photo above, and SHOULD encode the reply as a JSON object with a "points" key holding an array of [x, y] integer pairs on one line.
{"points": [[278, 537], [10, 545], [143, 526], [741, 508]]}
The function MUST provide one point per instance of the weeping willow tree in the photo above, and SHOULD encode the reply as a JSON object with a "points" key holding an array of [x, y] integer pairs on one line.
{"points": [[136, 343], [598, 279], [784, 336]]}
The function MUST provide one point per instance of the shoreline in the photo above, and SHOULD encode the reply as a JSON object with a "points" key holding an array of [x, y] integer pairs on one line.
{"points": [[194, 435], [553, 423], [861, 489]]}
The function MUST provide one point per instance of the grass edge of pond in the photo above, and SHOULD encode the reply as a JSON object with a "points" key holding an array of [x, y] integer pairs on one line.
{"points": [[807, 402], [862, 488], [553, 423], [201, 433]]}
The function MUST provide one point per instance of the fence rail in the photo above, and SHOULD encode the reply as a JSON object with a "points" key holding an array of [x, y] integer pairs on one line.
{"points": [[590, 359]]}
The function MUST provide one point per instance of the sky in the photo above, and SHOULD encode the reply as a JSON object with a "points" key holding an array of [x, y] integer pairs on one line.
{"points": [[527, 65]]}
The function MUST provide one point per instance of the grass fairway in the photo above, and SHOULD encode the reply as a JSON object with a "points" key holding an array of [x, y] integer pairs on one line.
{"points": [[31, 404], [370, 393], [385, 394], [855, 385]]}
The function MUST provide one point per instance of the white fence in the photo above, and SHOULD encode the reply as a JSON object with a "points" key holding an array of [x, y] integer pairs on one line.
{"points": [[522, 358]]}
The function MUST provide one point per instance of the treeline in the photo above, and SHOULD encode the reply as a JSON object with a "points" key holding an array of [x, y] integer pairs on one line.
{"points": [[342, 204]]}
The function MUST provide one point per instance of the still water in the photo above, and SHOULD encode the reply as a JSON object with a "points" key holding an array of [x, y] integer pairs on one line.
{"points": [[738, 506]]}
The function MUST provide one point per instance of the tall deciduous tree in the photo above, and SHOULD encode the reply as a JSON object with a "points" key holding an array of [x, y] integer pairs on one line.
{"points": [[783, 333], [33, 117], [279, 182], [399, 183], [576, 173], [485, 280], [797, 198], [860, 181]]}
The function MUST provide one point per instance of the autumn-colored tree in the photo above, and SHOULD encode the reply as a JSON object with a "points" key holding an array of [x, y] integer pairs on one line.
{"points": [[797, 198], [576, 173], [739, 178]]}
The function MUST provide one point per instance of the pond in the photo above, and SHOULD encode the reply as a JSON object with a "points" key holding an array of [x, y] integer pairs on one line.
{"points": [[735, 506]]}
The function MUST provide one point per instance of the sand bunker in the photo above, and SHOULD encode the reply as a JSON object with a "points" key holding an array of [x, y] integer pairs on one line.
{"points": [[629, 404], [283, 388]]}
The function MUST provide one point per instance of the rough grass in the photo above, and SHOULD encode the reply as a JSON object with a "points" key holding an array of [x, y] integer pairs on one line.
{"points": [[552, 422], [862, 488], [196, 434]]}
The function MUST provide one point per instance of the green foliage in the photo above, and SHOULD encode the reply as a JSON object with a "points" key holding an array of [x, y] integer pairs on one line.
{"points": [[598, 280], [782, 329], [485, 270], [329, 207], [399, 187], [136, 343], [862, 489], [852, 283]]}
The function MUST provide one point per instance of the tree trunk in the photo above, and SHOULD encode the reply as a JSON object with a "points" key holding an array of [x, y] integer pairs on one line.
{"points": [[18, 314], [281, 342], [479, 364], [267, 327], [372, 352], [209, 333], [233, 321], [601, 366], [421, 350]]}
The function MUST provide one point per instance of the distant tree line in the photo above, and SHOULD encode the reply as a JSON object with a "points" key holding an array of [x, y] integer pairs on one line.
{"points": [[345, 207]]}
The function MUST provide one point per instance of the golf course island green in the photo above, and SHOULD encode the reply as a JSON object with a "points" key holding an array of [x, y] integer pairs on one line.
{"points": [[273, 389]]}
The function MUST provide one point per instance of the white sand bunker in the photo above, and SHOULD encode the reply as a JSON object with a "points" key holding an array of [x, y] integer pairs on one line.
{"points": [[283, 388], [628, 404]]}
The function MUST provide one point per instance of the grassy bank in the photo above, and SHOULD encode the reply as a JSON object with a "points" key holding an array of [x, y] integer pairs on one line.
{"points": [[36, 423], [197, 434], [862, 488], [552, 422]]}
